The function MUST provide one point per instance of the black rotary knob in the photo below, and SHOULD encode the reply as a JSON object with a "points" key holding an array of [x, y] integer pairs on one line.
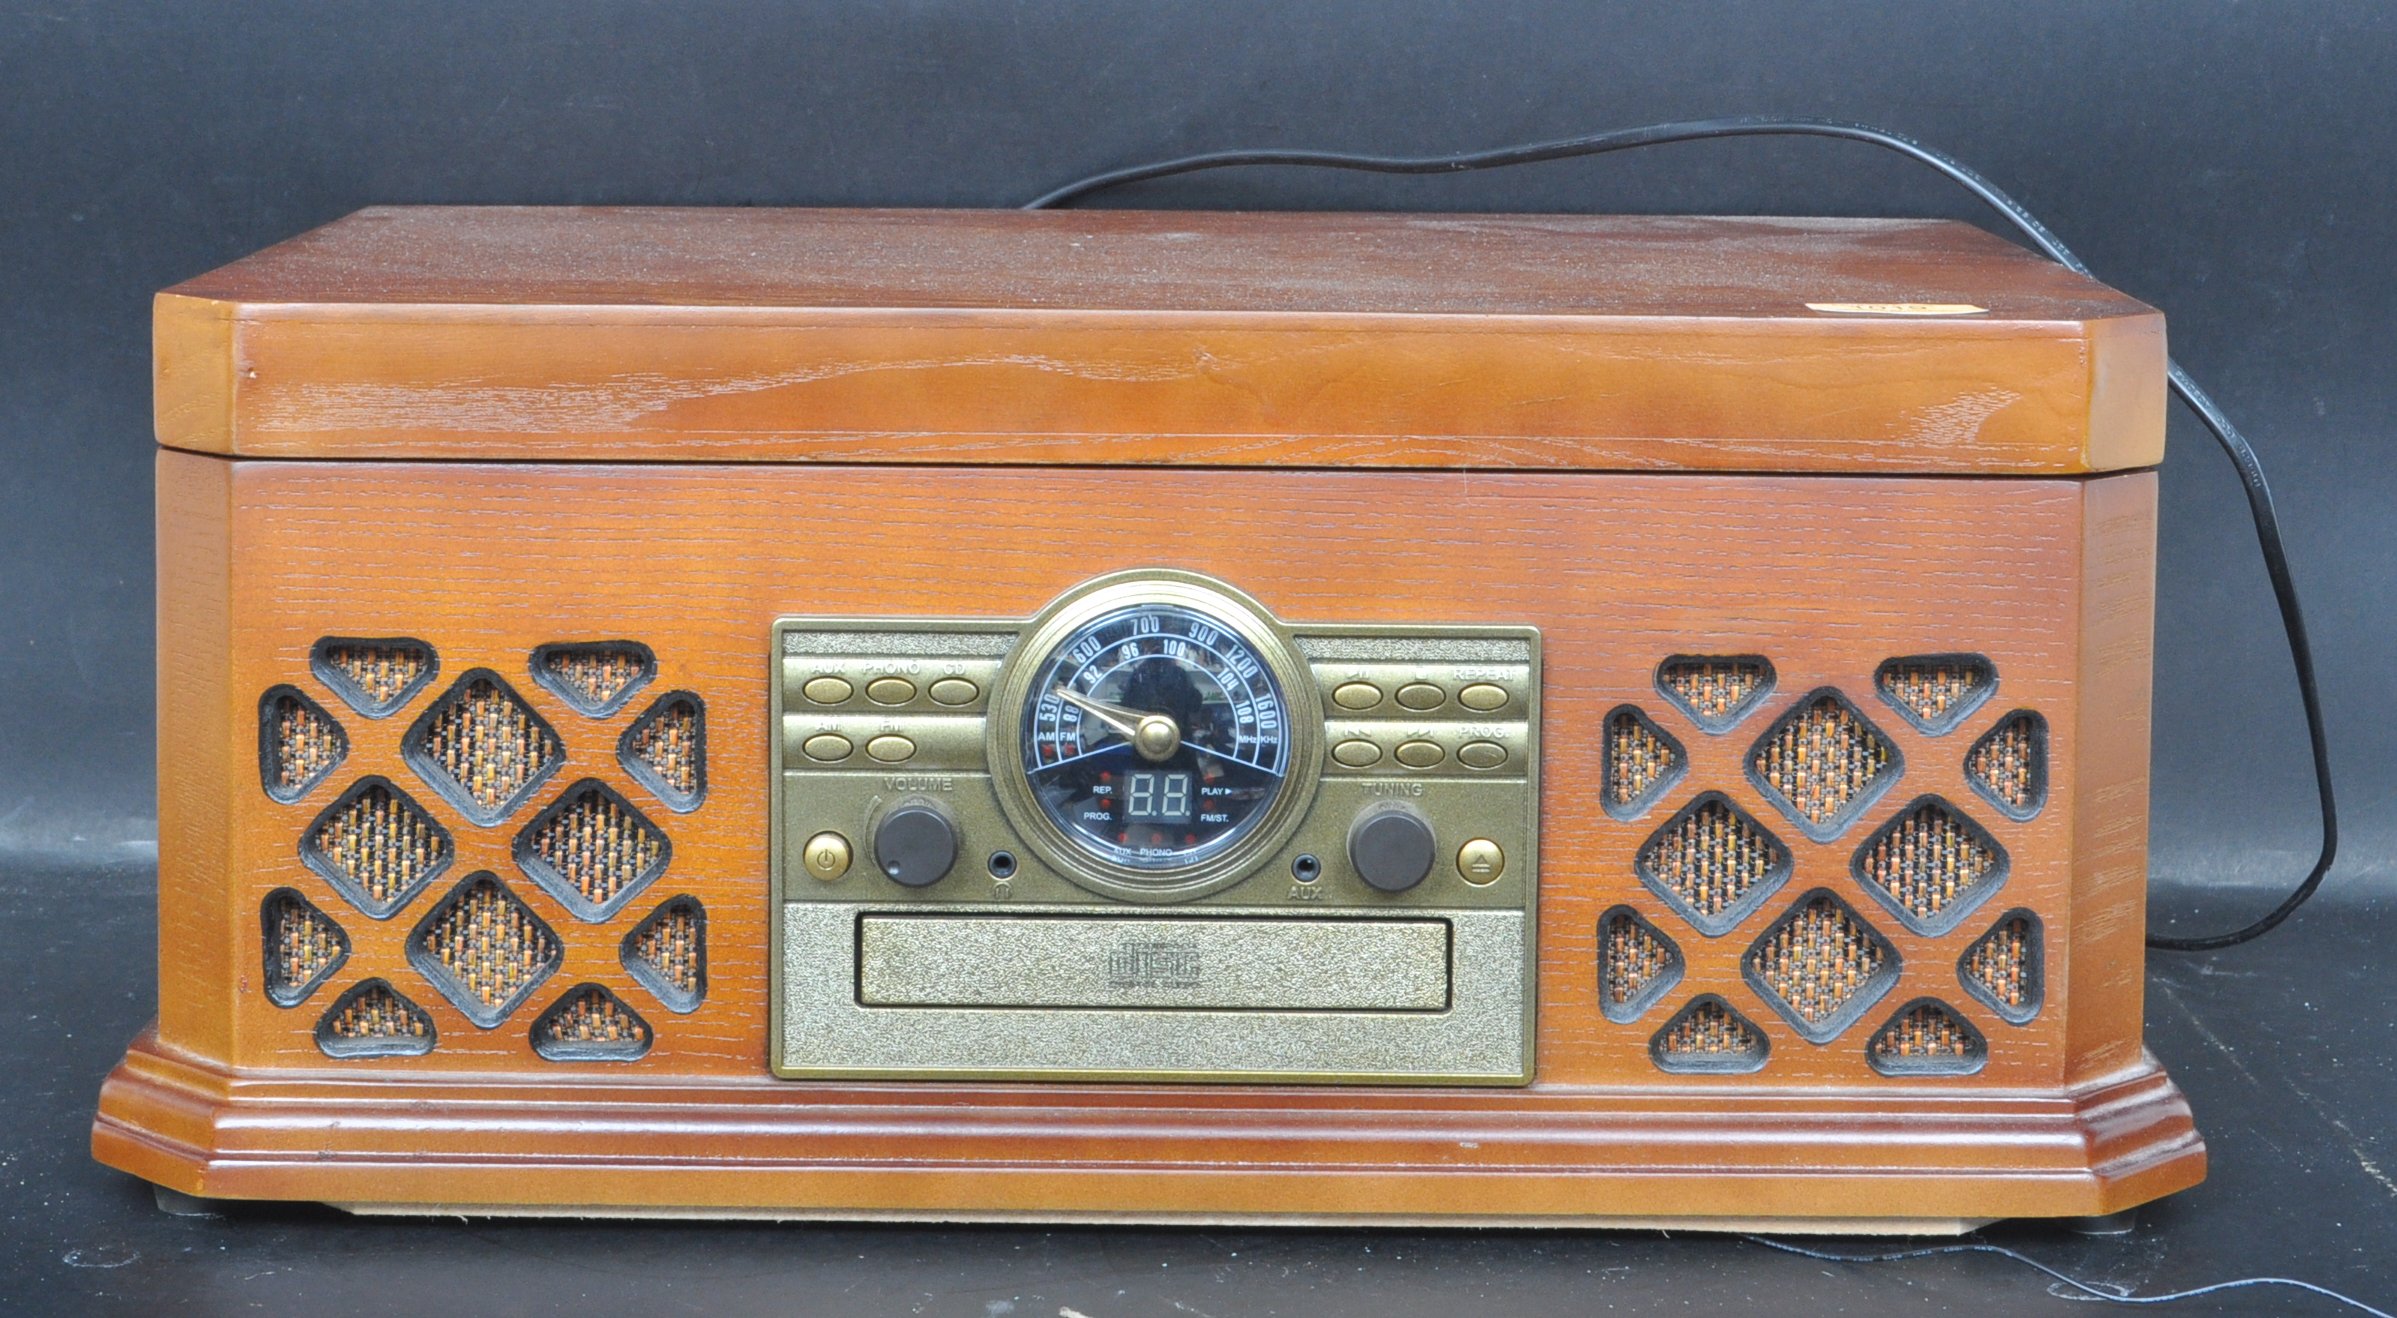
{"points": [[1391, 846], [915, 843]]}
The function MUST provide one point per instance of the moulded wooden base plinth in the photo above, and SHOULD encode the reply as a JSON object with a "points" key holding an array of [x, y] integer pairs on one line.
{"points": [[1712, 1154]]}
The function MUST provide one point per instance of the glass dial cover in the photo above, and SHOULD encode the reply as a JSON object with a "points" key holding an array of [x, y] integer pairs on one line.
{"points": [[1155, 737]]}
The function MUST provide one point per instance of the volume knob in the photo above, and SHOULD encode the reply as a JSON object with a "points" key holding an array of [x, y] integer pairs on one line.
{"points": [[1391, 847], [915, 844]]}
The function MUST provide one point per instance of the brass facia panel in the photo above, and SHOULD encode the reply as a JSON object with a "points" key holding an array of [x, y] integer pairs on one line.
{"points": [[937, 920]]}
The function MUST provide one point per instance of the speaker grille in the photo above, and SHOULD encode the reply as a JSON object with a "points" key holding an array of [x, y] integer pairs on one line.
{"points": [[597, 677], [1927, 1037], [2008, 765], [1936, 691], [1708, 1036], [485, 753], [1641, 763], [304, 946], [590, 1024], [668, 953], [1713, 863], [2002, 967], [374, 1020], [376, 846], [1715, 691], [1931, 866], [665, 750], [483, 748], [1821, 966], [1637, 964], [1823, 763], [592, 850], [299, 744], [484, 949], [375, 677]]}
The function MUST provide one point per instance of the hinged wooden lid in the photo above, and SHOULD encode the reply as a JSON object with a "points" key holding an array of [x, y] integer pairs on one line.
{"points": [[1601, 343]]}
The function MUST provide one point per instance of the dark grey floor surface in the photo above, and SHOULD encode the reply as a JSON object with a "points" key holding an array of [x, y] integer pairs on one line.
{"points": [[2287, 1048]]}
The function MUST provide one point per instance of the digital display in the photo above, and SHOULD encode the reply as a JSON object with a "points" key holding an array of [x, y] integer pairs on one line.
{"points": [[1157, 798]]}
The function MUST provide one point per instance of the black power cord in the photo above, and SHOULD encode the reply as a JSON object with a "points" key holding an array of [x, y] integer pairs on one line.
{"points": [[2251, 471]]}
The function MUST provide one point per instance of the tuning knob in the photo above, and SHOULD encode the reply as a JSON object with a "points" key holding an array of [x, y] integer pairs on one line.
{"points": [[915, 843], [1391, 847]]}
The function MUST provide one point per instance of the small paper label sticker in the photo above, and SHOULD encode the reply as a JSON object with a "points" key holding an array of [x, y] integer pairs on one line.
{"points": [[1898, 308]]}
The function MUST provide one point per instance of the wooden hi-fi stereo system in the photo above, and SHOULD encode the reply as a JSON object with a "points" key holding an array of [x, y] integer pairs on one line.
{"points": [[1147, 716]]}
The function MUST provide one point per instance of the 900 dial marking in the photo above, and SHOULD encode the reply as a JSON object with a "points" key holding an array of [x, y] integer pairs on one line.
{"points": [[1156, 737]]}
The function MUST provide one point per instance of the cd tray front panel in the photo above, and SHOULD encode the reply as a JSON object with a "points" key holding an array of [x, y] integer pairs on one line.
{"points": [[1434, 998], [1152, 963]]}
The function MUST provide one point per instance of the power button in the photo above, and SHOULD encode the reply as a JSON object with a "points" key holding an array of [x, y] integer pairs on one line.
{"points": [[827, 856]]}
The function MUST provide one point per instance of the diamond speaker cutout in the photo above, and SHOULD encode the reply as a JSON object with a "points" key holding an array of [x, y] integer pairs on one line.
{"points": [[1821, 966], [1713, 864], [482, 748], [484, 949], [592, 850], [376, 846], [1823, 763], [1930, 866], [2004, 967]]}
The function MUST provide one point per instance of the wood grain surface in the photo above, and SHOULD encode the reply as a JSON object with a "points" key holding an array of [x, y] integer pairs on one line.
{"points": [[2050, 579], [1144, 338]]}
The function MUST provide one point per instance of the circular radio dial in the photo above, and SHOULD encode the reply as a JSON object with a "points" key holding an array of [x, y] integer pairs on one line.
{"points": [[1156, 735]]}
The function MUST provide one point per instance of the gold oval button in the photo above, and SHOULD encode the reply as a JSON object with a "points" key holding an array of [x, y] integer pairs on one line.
{"points": [[828, 690], [890, 748], [1356, 695], [1483, 697], [955, 691], [890, 690], [1421, 695], [1357, 754], [1480, 861], [1420, 754], [827, 746], [1482, 754], [827, 856]]}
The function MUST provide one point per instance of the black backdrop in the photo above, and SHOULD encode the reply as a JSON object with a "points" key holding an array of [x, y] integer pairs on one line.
{"points": [[2229, 162]]}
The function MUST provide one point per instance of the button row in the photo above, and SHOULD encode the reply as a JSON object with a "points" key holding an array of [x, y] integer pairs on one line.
{"points": [[951, 691], [1358, 753], [832, 748], [1421, 697]]}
